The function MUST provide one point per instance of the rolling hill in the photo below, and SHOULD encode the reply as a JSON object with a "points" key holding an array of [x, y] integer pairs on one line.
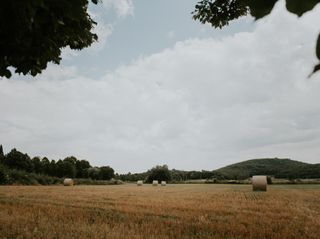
{"points": [[279, 168]]}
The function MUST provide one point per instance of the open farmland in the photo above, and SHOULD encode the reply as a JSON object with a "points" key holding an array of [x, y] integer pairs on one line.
{"points": [[174, 211]]}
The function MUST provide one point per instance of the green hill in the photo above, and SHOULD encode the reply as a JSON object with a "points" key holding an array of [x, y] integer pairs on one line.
{"points": [[279, 168]]}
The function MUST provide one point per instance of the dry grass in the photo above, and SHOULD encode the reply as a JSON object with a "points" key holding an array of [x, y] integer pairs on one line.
{"points": [[175, 211]]}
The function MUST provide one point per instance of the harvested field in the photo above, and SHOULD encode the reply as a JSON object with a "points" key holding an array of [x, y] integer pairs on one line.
{"points": [[174, 211]]}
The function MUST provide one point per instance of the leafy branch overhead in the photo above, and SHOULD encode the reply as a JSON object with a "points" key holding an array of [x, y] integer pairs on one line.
{"points": [[219, 13], [33, 32]]}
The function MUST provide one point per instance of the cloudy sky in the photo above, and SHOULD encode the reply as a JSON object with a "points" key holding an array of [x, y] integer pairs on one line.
{"points": [[160, 88]]}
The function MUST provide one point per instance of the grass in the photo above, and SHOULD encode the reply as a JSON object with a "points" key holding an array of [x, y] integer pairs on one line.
{"points": [[174, 211]]}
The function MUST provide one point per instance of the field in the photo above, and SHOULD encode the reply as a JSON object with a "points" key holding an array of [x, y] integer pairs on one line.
{"points": [[174, 211]]}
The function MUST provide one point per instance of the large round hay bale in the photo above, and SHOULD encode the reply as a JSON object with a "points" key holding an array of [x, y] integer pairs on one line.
{"points": [[259, 183], [139, 183], [163, 183], [68, 182], [155, 182]]}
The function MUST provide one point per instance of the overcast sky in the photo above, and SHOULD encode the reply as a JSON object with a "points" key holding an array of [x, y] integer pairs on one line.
{"points": [[160, 88]]}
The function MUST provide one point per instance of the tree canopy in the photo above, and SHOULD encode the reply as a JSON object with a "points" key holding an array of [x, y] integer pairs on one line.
{"points": [[33, 32], [159, 173], [219, 13]]}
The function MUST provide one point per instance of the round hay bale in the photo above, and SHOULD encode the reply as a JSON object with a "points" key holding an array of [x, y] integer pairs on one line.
{"points": [[259, 183], [163, 183], [139, 183], [155, 182], [68, 182]]}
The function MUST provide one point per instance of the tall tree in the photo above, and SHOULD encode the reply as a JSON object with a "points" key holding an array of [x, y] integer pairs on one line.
{"points": [[82, 167], [33, 32], [17, 160], [219, 13], [1, 154], [106, 173], [160, 173]]}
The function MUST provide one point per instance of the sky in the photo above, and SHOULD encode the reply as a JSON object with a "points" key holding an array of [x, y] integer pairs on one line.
{"points": [[160, 88]]}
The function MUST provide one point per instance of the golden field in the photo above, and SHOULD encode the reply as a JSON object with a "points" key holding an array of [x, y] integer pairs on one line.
{"points": [[174, 211]]}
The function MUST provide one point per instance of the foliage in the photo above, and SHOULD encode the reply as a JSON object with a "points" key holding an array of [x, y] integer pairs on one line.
{"points": [[106, 173], [1, 155], [17, 160], [93, 173], [160, 173], [24, 170], [3, 175], [33, 32], [279, 168], [82, 167], [219, 13]]}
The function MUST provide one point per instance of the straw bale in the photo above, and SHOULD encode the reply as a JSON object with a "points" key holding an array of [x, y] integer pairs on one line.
{"points": [[68, 182], [259, 183]]}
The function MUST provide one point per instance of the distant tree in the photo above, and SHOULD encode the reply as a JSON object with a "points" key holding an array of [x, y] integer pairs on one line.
{"points": [[1, 154], [45, 166], [53, 168], [3, 175], [106, 173], [17, 160], [82, 167], [160, 173], [93, 173], [219, 13], [33, 32], [69, 167], [37, 166]]}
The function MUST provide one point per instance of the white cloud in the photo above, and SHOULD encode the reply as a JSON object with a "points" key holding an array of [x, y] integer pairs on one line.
{"points": [[202, 104], [122, 7]]}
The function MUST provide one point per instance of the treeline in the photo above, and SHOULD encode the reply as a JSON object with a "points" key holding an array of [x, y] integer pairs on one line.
{"points": [[69, 167], [164, 173], [272, 167]]}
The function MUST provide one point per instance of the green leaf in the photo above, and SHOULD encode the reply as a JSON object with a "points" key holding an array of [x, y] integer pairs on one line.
{"points": [[219, 13], [299, 7], [260, 8]]}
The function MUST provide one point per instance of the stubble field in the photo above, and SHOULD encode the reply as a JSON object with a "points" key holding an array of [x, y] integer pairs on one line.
{"points": [[174, 211]]}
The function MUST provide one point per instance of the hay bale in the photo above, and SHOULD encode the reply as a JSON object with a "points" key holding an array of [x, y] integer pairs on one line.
{"points": [[259, 183], [155, 182], [68, 182], [139, 183], [163, 183]]}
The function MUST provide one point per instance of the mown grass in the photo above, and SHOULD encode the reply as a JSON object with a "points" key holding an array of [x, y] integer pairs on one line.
{"points": [[174, 211]]}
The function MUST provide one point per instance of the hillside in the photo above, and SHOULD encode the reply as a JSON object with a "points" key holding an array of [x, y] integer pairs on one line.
{"points": [[279, 168]]}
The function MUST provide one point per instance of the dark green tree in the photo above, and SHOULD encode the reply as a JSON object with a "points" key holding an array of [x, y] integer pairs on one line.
{"points": [[160, 173], [45, 166], [52, 168], [3, 175], [17, 160], [106, 173], [93, 173], [1, 155], [82, 167], [69, 167], [219, 13], [33, 32], [36, 162]]}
